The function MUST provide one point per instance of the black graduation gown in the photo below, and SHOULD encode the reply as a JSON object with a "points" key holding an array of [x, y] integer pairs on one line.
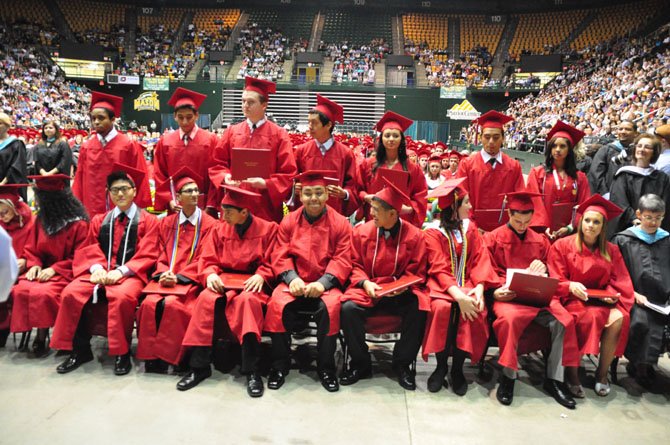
{"points": [[57, 155], [602, 170], [13, 165]]}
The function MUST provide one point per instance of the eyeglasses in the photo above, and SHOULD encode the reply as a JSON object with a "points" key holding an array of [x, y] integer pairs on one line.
{"points": [[190, 191], [653, 218], [123, 189]]}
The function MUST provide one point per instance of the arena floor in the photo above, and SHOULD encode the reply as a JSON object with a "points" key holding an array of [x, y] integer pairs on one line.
{"points": [[93, 406]]}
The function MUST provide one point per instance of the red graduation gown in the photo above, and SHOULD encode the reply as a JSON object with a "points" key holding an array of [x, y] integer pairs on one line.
{"points": [[225, 251], [571, 191], [311, 250], [122, 297], [418, 189], [484, 183], [165, 342], [339, 158], [171, 154], [95, 164], [508, 251], [592, 270], [267, 136], [472, 335], [374, 258], [35, 304]]}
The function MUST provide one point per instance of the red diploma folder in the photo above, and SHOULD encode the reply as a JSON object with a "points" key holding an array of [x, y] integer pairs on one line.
{"points": [[399, 178], [234, 281], [250, 163], [561, 215], [153, 287], [399, 284], [489, 219], [533, 290], [601, 293]]}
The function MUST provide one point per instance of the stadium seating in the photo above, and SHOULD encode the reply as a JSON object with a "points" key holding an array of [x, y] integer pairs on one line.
{"points": [[357, 28], [542, 33]]}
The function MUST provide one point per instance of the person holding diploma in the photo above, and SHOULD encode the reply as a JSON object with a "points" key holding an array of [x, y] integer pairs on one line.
{"points": [[563, 187], [645, 250], [256, 131], [162, 317], [459, 271], [239, 246], [312, 261], [391, 153], [385, 250], [513, 246], [585, 263]]}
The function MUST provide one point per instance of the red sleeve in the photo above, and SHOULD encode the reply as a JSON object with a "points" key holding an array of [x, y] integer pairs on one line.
{"points": [[541, 217], [77, 184], [280, 259], [351, 184], [583, 188], [557, 262], [358, 271], [143, 198], [418, 193], [490, 241], [479, 261], [620, 281], [339, 265], [439, 268], [265, 269], [77, 233], [208, 263], [162, 197], [220, 166], [364, 177], [145, 253], [90, 252], [281, 181], [30, 253]]}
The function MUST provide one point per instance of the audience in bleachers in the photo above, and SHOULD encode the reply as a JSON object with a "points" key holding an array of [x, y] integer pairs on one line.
{"points": [[263, 52], [356, 63]]}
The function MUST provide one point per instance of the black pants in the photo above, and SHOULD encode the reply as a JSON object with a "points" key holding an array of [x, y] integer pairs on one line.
{"points": [[292, 319], [405, 350]]}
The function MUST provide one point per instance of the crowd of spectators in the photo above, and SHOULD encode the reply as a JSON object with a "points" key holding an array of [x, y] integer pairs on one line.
{"points": [[472, 68], [263, 52], [355, 63]]}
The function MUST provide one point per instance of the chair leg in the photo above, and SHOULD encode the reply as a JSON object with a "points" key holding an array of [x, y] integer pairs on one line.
{"points": [[25, 340]]}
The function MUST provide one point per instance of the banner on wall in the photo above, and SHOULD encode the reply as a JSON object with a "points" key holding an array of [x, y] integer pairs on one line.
{"points": [[156, 83], [147, 102], [463, 112], [453, 92]]}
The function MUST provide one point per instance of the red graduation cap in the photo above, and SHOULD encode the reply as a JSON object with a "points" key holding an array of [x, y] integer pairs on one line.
{"points": [[262, 87], [107, 101], [435, 158], [424, 154], [135, 175], [393, 196], [457, 155], [441, 144], [410, 153], [563, 130], [51, 183], [333, 111], [186, 98], [448, 192], [316, 177], [11, 192], [238, 197], [597, 203], [493, 119], [520, 201], [393, 120], [185, 176]]}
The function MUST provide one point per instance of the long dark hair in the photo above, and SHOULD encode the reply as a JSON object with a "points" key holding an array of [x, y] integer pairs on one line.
{"points": [[570, 161], [57, 136], [447, 220], [381, 153], [57, 209]]}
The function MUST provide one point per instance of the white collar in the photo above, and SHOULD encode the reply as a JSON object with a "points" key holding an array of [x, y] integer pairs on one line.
{"points": [[487, 157], [111, 135], [191, 135], [193, 219], [329, 143], [130, 213], [258, 124]]}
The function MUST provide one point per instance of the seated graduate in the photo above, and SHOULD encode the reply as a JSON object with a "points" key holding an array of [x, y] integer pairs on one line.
{"points": [[584, 262], [114, 256], [384, 250], [241, 245], [312, 260], [459, 270], [162, 317], [645, 250], [513, 246], [61, 228]]}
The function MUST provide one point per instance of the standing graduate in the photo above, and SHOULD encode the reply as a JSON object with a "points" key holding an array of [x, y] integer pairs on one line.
{"points": [[256, 131], [645, 250], [12, 156], [61, 228], [178, 241], [98, 155], [490, 172], [513, 246], [52, 155], [188, 146], [241, 245], [391, 153], [384, 250], [113, 256], [323, 152], [312, 260], [584, 262]]}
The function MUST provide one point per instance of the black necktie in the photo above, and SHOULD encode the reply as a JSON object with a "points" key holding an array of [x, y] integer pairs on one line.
{"points": [[253, 128], [121, 218], [492, 161]]}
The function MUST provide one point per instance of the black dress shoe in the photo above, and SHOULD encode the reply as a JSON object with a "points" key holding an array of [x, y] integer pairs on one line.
{"points": [[276, 379], [352, 375], [122, 364], [505, 391], [193, 378], [156, 366], [75, 360], [40, 348], [560, 393], [458, 382], [329, 381], [406, 377], [4, 334], [437, 379], [255, 386]]}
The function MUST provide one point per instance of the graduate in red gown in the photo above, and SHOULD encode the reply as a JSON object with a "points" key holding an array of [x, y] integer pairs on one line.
{"points": [[241, 245], [490, 172], [112, 266], [583, 262], [312, 260], [178, 241], [513, 246], [391, 153], [323, 152], [384, 250], [459, 270], [563, 186], [188, 146], [61, 227], [256, 131], [99, 153], [17, 219]]}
